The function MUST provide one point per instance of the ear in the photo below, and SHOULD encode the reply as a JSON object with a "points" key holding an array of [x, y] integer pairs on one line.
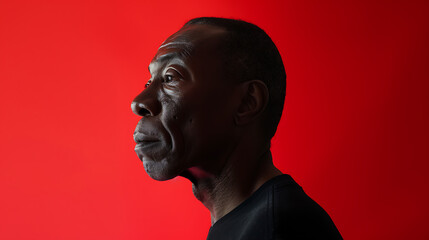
{"points": [[253, 101]]}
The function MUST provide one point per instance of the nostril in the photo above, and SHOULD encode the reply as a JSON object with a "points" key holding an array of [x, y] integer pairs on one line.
{"points": [[144, 112], [140, 109]]}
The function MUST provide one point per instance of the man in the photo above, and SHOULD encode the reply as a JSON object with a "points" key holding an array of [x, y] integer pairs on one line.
{"points": [[208, 113]]}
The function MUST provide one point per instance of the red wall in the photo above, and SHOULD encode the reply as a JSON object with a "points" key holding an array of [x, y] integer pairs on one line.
{"points": [[355, 130]]}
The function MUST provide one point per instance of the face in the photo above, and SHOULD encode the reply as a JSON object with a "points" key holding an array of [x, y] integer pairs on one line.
{"points": [[187, 107]]}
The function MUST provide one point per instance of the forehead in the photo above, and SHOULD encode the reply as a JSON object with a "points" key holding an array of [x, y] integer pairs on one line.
{"points": [[190, 41]]}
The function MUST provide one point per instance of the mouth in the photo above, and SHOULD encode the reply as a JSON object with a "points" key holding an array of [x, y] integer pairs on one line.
{"points": [[145, 145], [144, 141]]}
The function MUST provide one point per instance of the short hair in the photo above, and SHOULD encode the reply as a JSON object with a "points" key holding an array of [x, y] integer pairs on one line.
{"points": [[249, 54]]}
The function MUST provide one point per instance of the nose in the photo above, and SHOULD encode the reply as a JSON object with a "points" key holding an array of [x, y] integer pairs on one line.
{"points": [[146, 104]]}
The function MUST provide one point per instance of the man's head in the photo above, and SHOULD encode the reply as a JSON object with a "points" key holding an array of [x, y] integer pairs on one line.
{"points": [[249, 53], [211, 81]]}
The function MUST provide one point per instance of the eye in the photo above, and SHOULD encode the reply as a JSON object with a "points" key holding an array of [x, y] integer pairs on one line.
{"points": [[168, 78], [171, 75]]}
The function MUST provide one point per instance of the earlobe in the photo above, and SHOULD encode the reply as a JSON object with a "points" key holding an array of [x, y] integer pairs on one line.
{"points": [[253, 102]]}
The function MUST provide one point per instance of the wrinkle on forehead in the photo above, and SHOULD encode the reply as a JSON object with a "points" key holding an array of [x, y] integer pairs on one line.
{"points": [[174, 49], [187, 38], [174, 44], [195, 33]]}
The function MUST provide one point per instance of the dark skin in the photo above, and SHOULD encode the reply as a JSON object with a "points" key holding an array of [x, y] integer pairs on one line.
{"points": [[199, 124]]}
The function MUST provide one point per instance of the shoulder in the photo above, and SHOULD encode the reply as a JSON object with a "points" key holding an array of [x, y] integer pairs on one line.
{"points": [[297, 216]]}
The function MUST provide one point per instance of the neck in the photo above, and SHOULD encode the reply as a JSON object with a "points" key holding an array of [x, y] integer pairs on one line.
{"points": [[241, 176]]}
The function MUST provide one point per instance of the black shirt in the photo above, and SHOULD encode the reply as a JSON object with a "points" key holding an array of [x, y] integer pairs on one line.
{"points": [[279, 209]]}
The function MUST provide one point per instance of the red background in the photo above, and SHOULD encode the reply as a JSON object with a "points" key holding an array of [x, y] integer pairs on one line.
{"points": [[354, 134]]}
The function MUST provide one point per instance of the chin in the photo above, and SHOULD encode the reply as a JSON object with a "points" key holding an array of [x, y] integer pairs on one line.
{"points": [[160, 171]]}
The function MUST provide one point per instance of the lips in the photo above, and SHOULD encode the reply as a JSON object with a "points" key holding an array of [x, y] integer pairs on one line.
{"points": [[144, 141], [141, 137]]}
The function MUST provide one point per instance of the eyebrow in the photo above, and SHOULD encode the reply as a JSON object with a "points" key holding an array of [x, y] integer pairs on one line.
{"points": [[177, 57]]}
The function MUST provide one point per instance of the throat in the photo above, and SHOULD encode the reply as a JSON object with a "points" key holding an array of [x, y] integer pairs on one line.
{"points": [[222, 192], [219, 194], [216, 199]]}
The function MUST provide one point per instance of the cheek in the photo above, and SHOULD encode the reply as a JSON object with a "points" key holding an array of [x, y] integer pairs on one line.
{"points": [[208, 126], [170, 108], [175, 120], [178, 108], [197, 121]]}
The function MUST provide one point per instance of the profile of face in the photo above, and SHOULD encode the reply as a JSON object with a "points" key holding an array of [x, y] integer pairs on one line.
{"points": [[187, 106]]}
